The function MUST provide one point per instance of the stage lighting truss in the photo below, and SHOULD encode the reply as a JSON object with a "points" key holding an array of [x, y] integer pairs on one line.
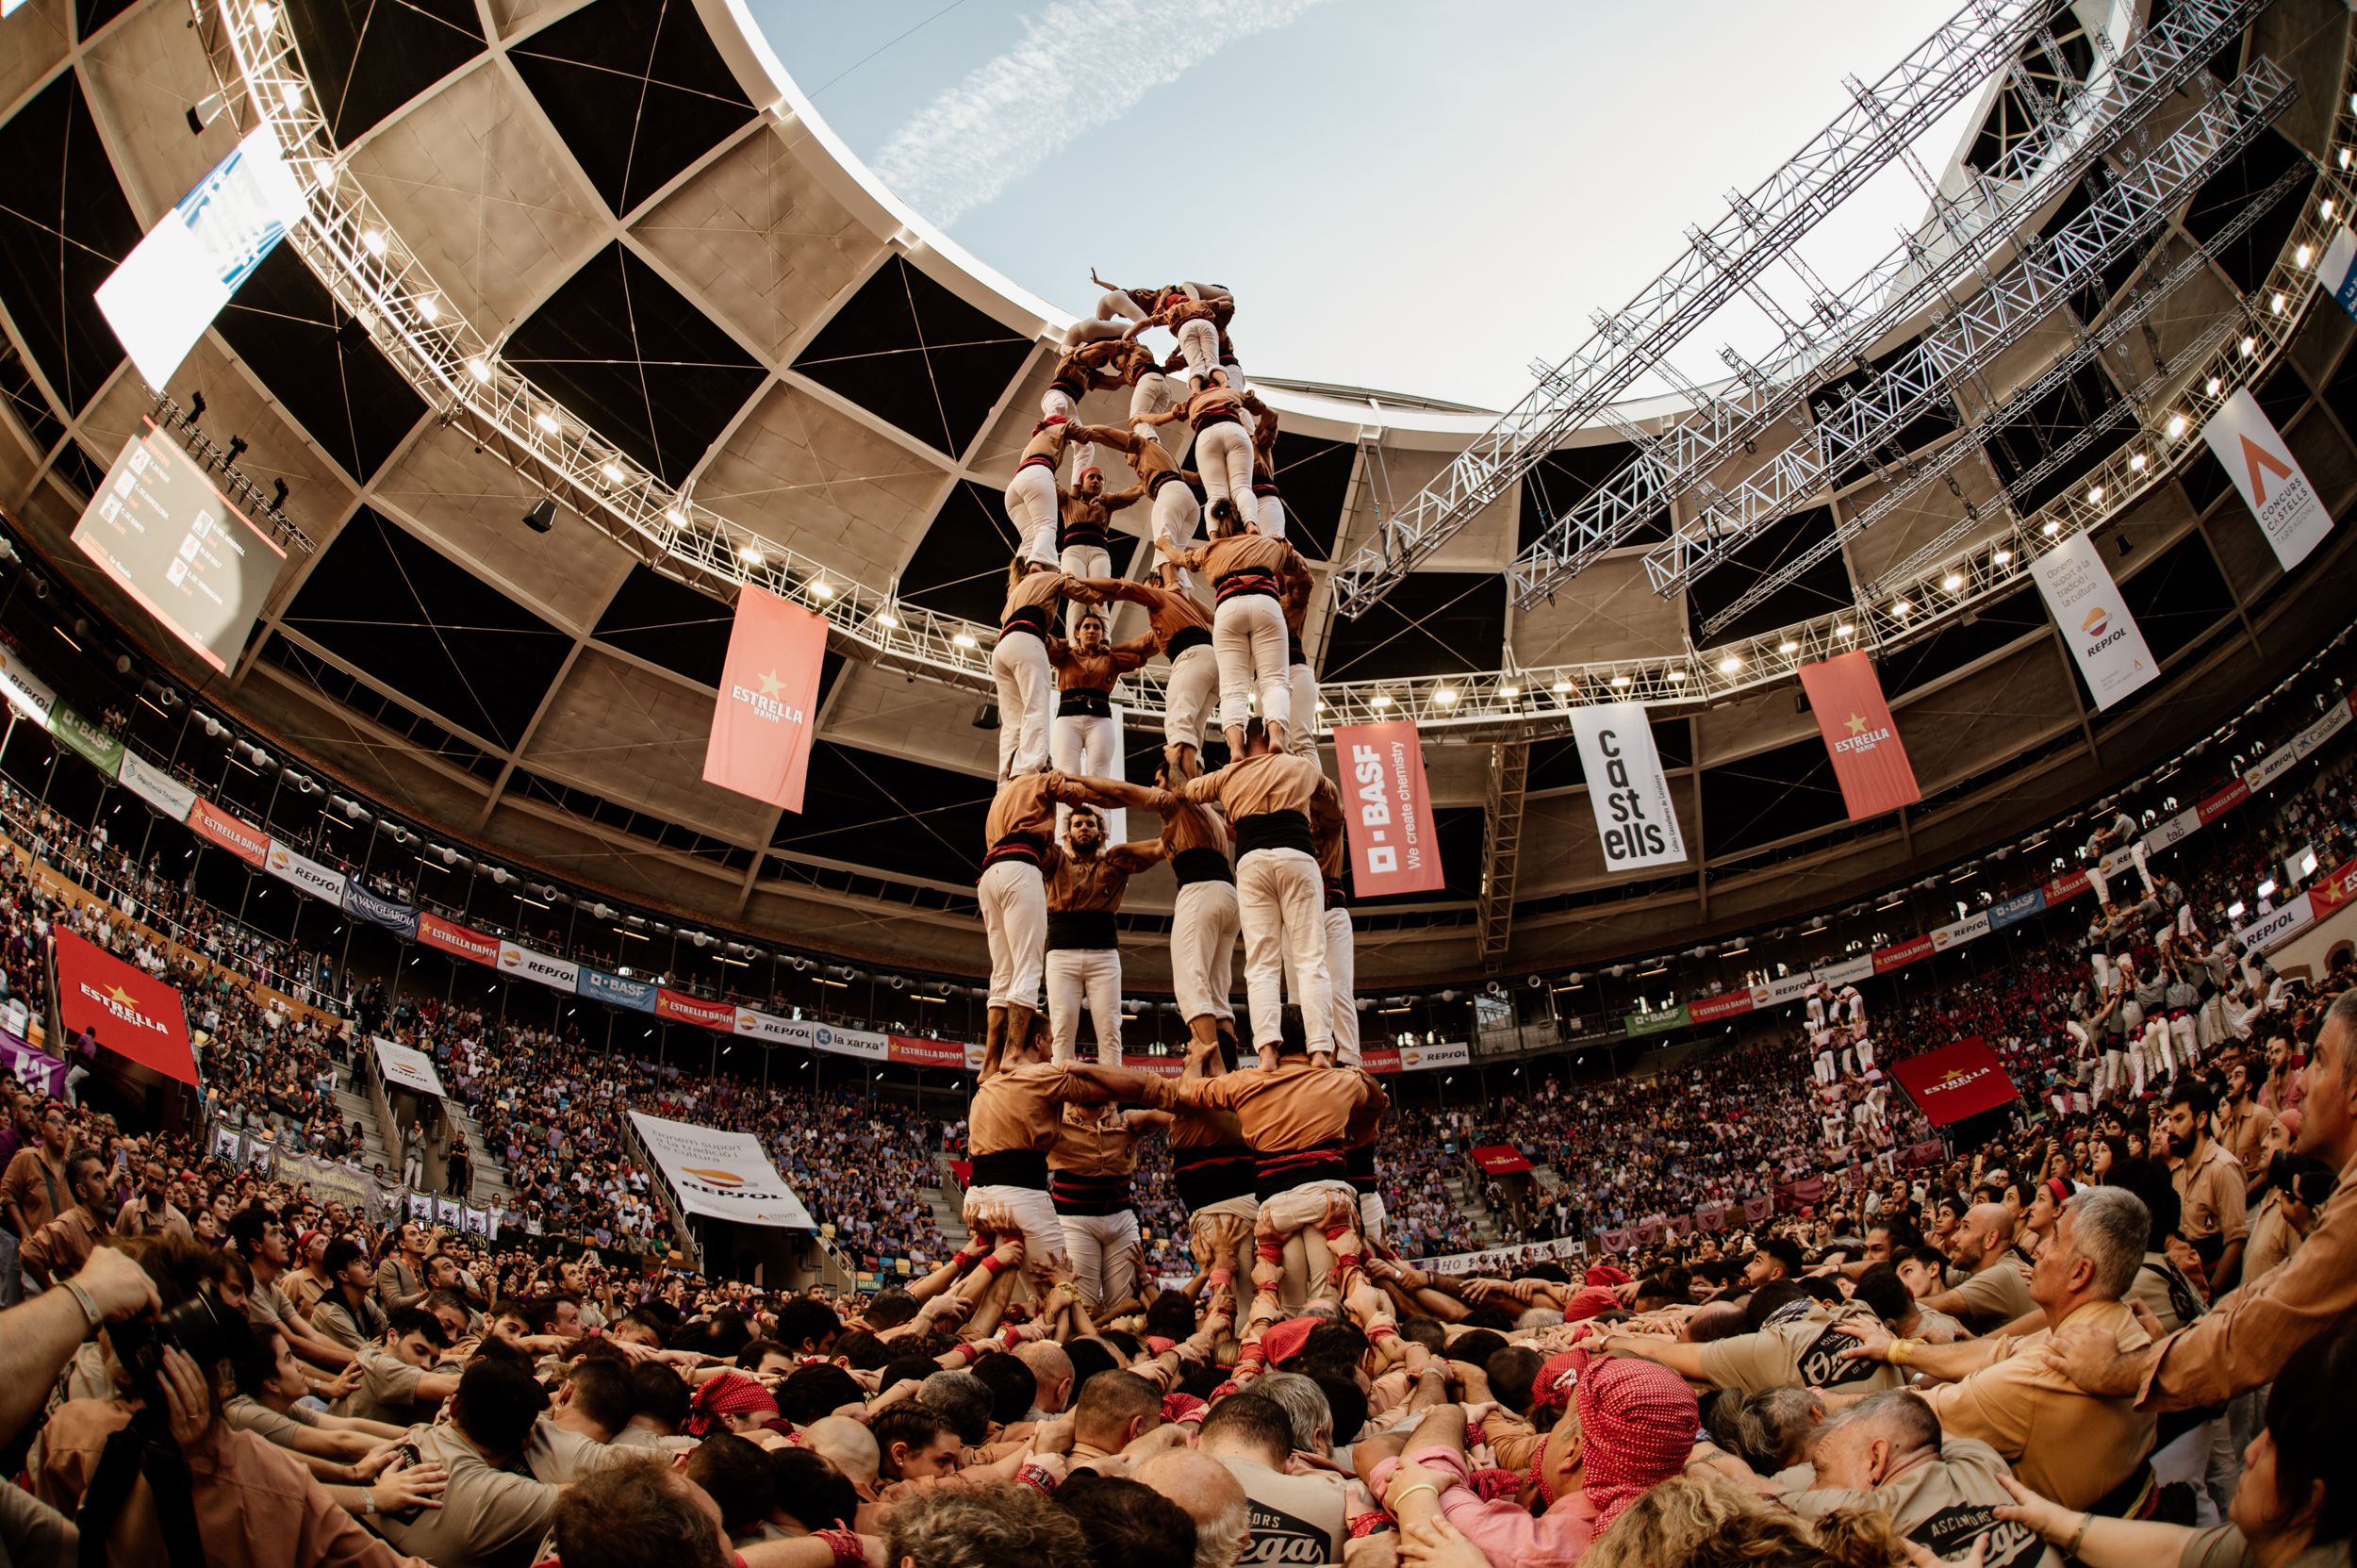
{"points": [[377, 279], [1758, 229], [1961, 348], [1951, 253]]}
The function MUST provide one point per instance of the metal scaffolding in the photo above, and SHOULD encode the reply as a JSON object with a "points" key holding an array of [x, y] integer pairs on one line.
{"points": [[1953, 248], [1502, 847], [1759, 228], [2049, 270]]}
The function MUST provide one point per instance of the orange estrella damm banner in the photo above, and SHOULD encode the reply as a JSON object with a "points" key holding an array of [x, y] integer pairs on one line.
{"points": [[1860, 735], [762, 726]]}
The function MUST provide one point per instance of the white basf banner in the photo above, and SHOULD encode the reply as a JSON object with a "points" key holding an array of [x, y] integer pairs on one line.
{"points": [[1637, 824], [725, 1175], [2086, 604], [156, 788], [2270, 479], [560, 974], [407, 1068], [290, 864]]}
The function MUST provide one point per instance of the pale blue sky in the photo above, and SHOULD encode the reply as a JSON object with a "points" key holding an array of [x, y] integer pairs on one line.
{"points": [[1411, 196]]}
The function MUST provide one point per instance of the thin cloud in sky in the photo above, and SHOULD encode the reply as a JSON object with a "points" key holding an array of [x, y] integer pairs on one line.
{"points": [[1074, 68]]}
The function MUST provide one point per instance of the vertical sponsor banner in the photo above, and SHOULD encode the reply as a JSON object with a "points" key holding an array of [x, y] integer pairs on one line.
{"points": [[156, 788], [2337, 272], [761, 727], [1387, 809], [2268, 477], [168, 290], [1636, 823], [1860, 735], [2094, 618]]}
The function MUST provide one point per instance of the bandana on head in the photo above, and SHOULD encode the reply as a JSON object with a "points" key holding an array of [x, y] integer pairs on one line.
{"points": [[1589, 1303], [1606, 1275], [1283, 1340], [730, 1394], [1557, 1375], [1638, 1422]]}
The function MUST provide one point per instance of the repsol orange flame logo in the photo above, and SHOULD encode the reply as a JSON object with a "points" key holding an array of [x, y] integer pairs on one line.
{"points": [[717, 1178]]}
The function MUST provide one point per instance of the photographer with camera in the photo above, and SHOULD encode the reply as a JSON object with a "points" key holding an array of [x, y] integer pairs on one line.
{"points": [[156, 1471]]}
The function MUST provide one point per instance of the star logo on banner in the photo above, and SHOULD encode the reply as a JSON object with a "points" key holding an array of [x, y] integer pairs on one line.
{"points": [[770, 685], [1858, 725], [121, 997]]}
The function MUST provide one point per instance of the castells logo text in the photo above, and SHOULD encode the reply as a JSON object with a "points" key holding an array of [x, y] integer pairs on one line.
{"points": [[764, 702], [1862, 737]]}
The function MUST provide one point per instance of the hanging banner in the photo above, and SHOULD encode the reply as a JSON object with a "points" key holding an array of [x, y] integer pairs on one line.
{"points": [[1849, 971], [452, 938], [1500, 1160], [1655, 1023], [1387, 809], [2094, 620], [290, 864], [761, 727], [2275, 926], [378, 910], [1636, 823], [37, 1070], [916, 1051], [523, 964], [1867, 759], [1783, 989], [679, 1007], [2269, 478], [122, 1007], [407, 1068], [158, 788], [724, 1174], [812, 1035], [1897, 956], [168, 290], [2337, 271], [95, 746], [1726, 1004], [26, 691], [1955, 1082], [234, 833], [597, 985], [1957, 933]]}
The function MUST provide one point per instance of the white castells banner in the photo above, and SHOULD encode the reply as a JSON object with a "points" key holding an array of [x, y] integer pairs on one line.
{"points": [[1636, 823], [2269, 478], [288, 863], [405, 1067], [724, 1174], [158, 788], [560, 974], [2086, 604]]}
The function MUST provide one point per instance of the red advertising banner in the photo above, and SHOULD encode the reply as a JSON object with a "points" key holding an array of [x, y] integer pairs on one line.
{"points": [[128, 1011], [1387, 809], [2336, 887], [1860, 735], [2067, 887], [2212, 807], [1955, 1082], [1900, 954], [919, 1052], [680, 1008], [1500, 1159], [1726, 1004], [234, 833], [761, 728], [457, 940]]}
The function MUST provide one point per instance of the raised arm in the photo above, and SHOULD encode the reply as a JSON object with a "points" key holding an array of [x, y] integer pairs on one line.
{"points": [[1113, 792]]}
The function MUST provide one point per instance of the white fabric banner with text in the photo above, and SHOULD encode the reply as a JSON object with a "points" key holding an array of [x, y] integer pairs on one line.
{"points": [[1637, 822], [2094, 620]]}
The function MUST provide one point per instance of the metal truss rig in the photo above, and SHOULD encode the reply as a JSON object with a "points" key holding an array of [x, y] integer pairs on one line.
{"points": [[1915, 473], [363, 261], [1969, 341], [1953, 249], [1758, 229]]}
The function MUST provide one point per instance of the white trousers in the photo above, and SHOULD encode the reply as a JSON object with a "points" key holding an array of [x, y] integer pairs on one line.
{"points": [[1106, 1253], [2103, 887], [1027, 696], [1031, 507], [1187, 695], [1081, 744], [1152, 394], [1083, 560], [2182, 1031], [1248, 636], [1030, 1210], [1223, 455], [1014, 922], [1824, 1068], [1086, 974], [1372, 1217], [1200, 341], [1177, 515], [1280, 903], [1301, 692], [1247, 1209], [1057, 401], [1342, 966], [1203, 928], [1269, 511]]}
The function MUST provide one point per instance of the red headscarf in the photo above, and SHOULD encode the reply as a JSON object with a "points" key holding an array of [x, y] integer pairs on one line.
{"points": [[729, 1394], [1637, 1424], [1605, 1274]]}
